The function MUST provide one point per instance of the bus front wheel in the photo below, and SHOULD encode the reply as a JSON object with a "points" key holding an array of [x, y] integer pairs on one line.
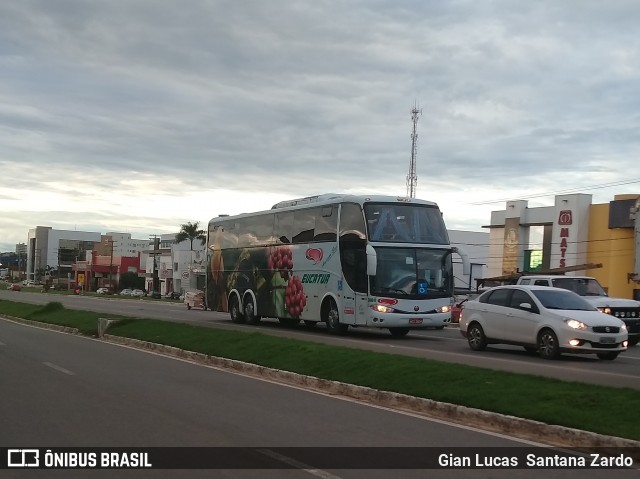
{"points": [[234, 310], [332, 318], [398, 332], [249, 311]]}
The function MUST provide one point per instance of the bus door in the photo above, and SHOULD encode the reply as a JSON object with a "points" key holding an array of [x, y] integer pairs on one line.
{"points": [[362, 303], [354, 308], [355, 291]]}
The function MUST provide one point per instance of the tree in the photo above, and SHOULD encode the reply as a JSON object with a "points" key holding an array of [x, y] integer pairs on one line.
{"points": [[191, 231], [131, 280]]}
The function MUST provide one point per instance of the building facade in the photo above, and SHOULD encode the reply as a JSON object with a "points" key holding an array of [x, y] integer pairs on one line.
{"points": [[572, 236], [53, 252]]}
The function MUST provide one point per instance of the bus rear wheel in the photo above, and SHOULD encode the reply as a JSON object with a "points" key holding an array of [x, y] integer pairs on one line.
{"points": [[332, 318], [250, 315], [234, 310]]}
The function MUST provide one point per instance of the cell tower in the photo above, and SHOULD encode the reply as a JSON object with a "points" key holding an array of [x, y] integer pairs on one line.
{"points": [[412, 178]]}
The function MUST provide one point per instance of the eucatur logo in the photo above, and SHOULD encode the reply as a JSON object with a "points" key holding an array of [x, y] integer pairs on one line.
{"points": [[565, 218], [314, 254]]}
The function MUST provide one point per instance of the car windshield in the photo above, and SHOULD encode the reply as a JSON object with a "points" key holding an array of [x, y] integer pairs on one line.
{"points": [[551, 299], [581, 286], [415, 273]]}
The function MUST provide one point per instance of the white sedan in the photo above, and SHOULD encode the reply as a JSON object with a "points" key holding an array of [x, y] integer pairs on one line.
{"points": [[548, 320]]}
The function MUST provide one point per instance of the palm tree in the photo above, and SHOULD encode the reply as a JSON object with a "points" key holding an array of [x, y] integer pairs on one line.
{"points": [[191, 231]]}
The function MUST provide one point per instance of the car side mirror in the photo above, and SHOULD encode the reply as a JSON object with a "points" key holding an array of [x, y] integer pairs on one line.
{"points": [[526, 306]]}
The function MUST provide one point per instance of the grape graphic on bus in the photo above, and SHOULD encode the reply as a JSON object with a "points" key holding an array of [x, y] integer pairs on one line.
{"points": [[295, 299], [281, 259]]}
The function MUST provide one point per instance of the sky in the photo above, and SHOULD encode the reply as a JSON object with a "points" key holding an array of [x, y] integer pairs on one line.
{"points": [[141, 115]]}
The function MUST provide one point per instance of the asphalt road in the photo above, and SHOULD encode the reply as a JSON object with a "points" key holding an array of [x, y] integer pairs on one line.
{"points": [[445, 345], [61, 390]]}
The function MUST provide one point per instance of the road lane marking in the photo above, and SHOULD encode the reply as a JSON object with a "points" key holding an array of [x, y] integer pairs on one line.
{"points": [[59, 368], [298, 464]]}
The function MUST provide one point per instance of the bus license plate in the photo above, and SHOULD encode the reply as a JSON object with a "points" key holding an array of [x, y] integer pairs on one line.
{"points": [[607, 340], [415, 321]]}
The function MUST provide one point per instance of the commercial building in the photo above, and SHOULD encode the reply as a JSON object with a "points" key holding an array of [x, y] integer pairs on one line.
{"points": [[572, 236], [55, 251]]}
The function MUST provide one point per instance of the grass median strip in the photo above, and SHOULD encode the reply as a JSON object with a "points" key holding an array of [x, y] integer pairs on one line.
{"points": [[600, 409]]}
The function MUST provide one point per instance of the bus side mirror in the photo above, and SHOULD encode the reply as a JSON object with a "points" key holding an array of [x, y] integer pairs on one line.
{"points": [[372, 260], [466, 265]]}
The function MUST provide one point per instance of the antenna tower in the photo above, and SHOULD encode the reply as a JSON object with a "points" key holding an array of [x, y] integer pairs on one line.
{"points": [[412, 178]]}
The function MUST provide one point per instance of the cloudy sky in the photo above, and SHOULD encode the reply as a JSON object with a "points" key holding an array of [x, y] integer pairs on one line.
{"points": [[139, 115]]}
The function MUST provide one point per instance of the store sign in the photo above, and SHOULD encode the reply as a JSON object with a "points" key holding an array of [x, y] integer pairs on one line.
{"points": [[565, 218]]}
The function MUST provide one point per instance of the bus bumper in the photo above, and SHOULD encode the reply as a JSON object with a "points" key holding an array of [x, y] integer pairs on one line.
{"points": [[417, 321]]}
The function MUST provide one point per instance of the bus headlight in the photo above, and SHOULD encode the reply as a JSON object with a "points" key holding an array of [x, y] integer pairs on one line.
{"points": [[381, 308]]}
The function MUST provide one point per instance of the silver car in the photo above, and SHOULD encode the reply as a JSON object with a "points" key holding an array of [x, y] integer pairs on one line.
{"points": [[542, 319]]}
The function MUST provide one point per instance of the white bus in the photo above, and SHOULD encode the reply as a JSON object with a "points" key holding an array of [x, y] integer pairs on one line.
{"points": [[343, 260]]}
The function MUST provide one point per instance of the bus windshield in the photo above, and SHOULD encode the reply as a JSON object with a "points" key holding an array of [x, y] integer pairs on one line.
{"points": [[403, 223], [418, 273]]}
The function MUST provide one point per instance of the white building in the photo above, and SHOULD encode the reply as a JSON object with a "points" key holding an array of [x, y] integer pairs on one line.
{"points": [[178, 267], [476, 245], [124, 245], [56, 250]]}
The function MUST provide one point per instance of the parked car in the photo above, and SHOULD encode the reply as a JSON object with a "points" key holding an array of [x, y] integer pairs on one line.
{"points": [[14, 287], [126, 292], [194, 299], [104, 291], [545, 319], [137, 292], [28, 282]]}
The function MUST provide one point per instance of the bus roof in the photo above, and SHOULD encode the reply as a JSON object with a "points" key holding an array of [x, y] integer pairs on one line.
{"points": [[332, 198]]}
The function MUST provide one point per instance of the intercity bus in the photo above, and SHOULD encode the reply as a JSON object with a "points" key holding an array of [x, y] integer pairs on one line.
{"points": [[341, 260]]}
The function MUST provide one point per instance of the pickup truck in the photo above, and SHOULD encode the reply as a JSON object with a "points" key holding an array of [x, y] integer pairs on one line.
{"points": [[627, 310]]}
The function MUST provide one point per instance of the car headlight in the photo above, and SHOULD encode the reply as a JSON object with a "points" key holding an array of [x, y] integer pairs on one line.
{"points": [[381, 308], [623, 327], [444, 309], [605, 309], [575, 324]]}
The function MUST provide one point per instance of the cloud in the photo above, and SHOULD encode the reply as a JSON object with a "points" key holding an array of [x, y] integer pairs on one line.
{"points": [[116, 111]]}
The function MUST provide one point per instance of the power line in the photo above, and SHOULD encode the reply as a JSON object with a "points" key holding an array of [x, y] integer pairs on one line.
{"points": [[560, 192]]}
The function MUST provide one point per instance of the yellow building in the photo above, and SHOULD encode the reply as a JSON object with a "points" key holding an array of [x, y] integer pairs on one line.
{"points": [[613, 245]]}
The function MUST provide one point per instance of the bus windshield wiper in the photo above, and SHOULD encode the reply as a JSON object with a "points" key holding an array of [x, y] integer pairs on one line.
{"points": [[394, 290]]}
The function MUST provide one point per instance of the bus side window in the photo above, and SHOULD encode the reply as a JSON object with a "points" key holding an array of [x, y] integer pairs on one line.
{"points": [[303, 225], [352, 220], [283, 227], [326, 224], [352, 246]]}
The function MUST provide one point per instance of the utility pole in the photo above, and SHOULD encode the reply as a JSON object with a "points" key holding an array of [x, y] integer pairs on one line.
{"points": [[110, 240], [156, 279], [412, 178]]}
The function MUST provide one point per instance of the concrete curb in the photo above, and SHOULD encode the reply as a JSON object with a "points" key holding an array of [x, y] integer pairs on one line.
{"points": [[41, 325], [552, 435]]}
